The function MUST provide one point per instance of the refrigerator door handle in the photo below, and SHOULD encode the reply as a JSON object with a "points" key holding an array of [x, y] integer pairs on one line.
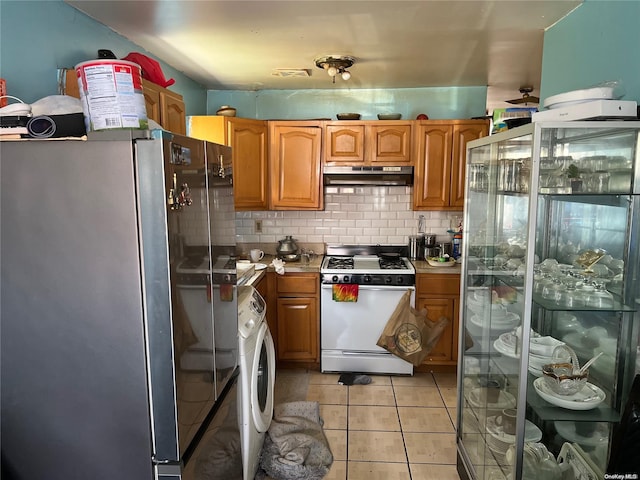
{"points": [[221, 172]]}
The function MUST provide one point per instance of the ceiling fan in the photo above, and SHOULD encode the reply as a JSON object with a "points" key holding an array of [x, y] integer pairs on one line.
{"points": [[526, 98]]}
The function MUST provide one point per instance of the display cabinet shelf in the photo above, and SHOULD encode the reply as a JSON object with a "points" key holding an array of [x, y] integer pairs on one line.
{"points": [[547, 412], [614, 200], [552, 306]]}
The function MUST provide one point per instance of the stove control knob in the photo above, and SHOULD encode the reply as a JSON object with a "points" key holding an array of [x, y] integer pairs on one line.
{"points": [[334, 279], [367, 279], [400, 280], [387, 279], [345, 279]]}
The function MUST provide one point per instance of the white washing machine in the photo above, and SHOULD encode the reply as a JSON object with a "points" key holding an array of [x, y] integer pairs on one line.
{"points": [[257, 361]]}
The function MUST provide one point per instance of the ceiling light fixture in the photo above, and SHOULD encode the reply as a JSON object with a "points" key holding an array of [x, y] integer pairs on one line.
{"points": [[526, 98], [336, 65]]}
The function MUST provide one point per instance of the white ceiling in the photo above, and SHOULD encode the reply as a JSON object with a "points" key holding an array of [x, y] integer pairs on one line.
{"points": [[397, 44]]}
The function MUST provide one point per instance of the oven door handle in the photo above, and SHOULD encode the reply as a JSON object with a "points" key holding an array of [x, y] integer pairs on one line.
{"points": [[372, 287], [364, 352]]}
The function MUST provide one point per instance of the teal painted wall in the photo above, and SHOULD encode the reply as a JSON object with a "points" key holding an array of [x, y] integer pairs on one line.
{"points": [[598, 42], [437, 103], [38, 37]]}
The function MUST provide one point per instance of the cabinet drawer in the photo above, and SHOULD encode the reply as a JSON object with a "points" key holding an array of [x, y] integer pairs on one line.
{"points": [[298, 284], [438, 284]]}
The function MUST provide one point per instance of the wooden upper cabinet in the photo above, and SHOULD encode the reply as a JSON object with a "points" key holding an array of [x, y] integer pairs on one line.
{"points": [[389, 143], [344, 144], [463, 133], [433, 166], [295, 167], [152, 102], [354, 143], [165, 107], [440, 158], [172, 112], [248, 141]]}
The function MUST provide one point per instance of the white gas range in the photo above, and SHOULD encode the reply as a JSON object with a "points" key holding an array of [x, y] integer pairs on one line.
{"points": [[360, 288]]}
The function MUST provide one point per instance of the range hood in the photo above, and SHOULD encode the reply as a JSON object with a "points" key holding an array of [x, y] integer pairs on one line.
{"points": [[392, 175]]}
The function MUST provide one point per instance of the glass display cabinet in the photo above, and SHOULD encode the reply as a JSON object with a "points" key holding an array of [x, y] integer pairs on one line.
{"points": [[549, 281]]}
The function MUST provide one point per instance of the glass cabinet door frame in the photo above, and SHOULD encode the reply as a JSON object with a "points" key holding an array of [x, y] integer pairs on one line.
{"points": [[631, 294]]}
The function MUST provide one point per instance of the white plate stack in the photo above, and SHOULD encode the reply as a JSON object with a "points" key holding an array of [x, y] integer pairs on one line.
{"points": [[499, 442]]}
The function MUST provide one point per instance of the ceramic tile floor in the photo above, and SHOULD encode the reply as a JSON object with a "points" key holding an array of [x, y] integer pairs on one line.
{"points": [[399, 428]]}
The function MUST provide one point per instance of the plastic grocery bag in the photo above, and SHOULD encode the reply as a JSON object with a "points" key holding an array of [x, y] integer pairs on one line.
{"points": [[408, 333]]}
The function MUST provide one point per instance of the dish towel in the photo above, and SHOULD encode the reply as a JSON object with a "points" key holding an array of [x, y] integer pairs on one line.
{"points": [[345, 293], [278, 265]]}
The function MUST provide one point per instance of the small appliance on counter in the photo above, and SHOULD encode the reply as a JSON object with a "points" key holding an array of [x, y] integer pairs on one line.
{"points": [[416, 247]]}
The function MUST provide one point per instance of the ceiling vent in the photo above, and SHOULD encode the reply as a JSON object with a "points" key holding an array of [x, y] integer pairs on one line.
{"points": [[291, 72]]}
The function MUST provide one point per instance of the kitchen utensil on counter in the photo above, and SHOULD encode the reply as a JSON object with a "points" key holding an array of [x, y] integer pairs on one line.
{"points": [[442, 262], [431, 251], [256, 255], [415, 242], [430, 240], [446, 248], [287, 247], [307, 256]]}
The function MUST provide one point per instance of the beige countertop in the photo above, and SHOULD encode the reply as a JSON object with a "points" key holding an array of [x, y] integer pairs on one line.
{"points": [[421, 266], [299, 267]]}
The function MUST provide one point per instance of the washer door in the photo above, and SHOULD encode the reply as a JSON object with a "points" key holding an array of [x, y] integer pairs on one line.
{"points": [[263, 379]]}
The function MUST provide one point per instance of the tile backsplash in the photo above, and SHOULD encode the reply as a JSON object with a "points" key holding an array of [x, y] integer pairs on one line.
{"points": [[352, 215]]}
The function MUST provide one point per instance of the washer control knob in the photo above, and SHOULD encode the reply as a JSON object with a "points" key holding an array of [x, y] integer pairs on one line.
{"points": [[250, 324]]}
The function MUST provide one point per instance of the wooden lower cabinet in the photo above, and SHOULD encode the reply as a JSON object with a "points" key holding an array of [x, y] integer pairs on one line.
{"points": [[298, 319], [440, 295]]}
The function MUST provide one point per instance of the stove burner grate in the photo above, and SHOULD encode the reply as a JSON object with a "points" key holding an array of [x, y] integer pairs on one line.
{"points": [[392, 264], [340, 263]]}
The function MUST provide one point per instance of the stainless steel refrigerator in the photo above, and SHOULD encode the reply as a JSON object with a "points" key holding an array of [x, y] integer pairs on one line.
{"points": [[118, 303]]}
